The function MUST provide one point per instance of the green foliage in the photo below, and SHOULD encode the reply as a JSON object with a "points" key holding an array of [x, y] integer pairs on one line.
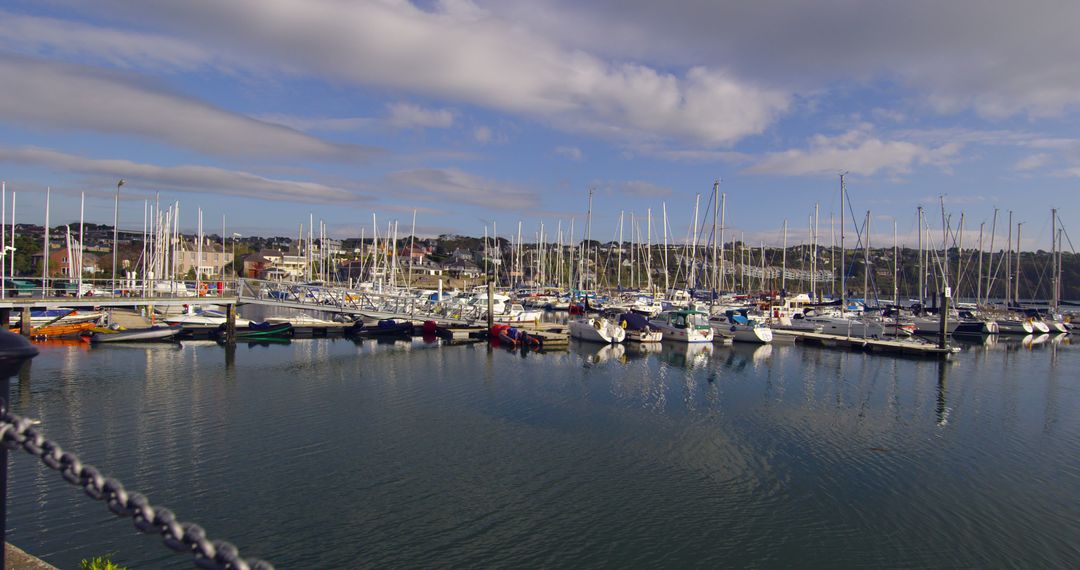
{"points": [[103, 562]]}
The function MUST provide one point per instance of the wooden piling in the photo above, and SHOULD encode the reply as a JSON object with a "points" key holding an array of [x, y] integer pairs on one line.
{"points": [[5, 319], [230, 324], [24, 322]]}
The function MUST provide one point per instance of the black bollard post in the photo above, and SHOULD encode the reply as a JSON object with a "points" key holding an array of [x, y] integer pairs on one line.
{"points": [[14, 352]]}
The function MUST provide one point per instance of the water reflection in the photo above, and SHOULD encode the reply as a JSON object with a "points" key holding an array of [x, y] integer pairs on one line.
{"points": [[688, 355], [643, 348], [594, 353], [1032, 341], [942, 409]]}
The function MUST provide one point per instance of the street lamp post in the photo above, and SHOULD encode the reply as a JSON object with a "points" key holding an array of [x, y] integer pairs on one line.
{"points": [[115, 212], [234, 236]]}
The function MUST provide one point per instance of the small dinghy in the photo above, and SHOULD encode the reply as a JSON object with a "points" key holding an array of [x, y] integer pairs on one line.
{"points": [[261, 331], [155, 333], [384, 328]]}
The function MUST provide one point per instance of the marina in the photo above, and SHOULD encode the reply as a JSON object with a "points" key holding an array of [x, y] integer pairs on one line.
{"points": [[547, 284]]}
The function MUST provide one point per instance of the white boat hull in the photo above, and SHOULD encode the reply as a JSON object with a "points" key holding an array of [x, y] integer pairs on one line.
{"points": [[596, 330]]}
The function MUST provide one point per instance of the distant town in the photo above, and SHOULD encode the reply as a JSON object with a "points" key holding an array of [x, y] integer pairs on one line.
{"points": [[463, 261]]}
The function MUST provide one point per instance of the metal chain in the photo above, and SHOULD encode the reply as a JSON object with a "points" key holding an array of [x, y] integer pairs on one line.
{"points": [[17, 431]]}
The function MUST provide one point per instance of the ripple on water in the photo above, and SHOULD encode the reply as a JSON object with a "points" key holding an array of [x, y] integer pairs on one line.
{"points": [[329, 453]]}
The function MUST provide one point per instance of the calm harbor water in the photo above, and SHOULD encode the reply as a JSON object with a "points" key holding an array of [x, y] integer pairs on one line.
{"points": [[335, 454]]}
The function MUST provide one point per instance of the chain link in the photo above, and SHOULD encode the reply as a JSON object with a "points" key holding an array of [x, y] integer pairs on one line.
{"points": [[17, 431]]}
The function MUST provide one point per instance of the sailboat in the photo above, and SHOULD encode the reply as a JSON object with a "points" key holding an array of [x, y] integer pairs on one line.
{"points": [[593, 328]]}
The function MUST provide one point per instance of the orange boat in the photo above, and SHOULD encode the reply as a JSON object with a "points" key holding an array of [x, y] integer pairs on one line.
{"points": [[59, 331]]}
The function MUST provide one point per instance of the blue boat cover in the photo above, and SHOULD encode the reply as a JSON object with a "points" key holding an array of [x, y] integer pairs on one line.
{"points": [[634, 321]]}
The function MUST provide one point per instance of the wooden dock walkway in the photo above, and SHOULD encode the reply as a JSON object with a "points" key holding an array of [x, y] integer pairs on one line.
{"points": [[909, 347]]}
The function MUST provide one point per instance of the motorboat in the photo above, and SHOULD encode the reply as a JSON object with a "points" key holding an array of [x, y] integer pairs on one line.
{"points": [[740, 328], [148, 334], [848, 326], [204, 319], [683, 325]]}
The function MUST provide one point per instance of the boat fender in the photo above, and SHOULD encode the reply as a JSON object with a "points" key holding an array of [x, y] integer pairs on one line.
{"points": [[597, 325], [623, 324], [732, 328], [203, 288]]}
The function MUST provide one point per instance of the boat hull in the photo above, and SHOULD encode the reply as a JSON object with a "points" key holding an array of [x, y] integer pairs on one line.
{"points": [[596, 330], [150, 334]]}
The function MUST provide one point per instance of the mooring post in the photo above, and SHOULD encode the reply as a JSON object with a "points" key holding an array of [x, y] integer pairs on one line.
{"points": [[944, 321], [24, 321], [230, 324], [14, 352], [5, 319]]}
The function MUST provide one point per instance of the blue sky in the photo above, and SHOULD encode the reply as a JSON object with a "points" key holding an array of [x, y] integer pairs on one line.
{"points": [[474, 112]]}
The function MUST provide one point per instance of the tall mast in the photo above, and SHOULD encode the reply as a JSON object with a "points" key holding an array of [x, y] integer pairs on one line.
{"points": [[989, 274], [866, 261], [691, 275], [648, 249], [12, 272], [585, 244], [618, 272], [45, 258], [843, 256], [1054, 244], [922, 261], [667, 284], [814, 254], [944, 245], [82, 213], [978, 279], [959, 256], [412, 244], [723, 219], [1016, 291], [1008, 263], [895, 266], [783, 264], [633, 251], [832, 256], [716, 208]]}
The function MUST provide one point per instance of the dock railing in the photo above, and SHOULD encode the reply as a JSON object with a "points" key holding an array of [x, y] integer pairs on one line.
{"points": [[27, 290]]}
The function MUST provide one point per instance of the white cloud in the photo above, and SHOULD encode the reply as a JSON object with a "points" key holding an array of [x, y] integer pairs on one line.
{"points": [[1033, 161], [641, 189], [696, 155], [34, 35], [452, 186], [482, 135], [570, 152], [855, 151], [186, 178], [325, 124], [410, 116], [68, 97], [462, 52], [997, 57]]}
